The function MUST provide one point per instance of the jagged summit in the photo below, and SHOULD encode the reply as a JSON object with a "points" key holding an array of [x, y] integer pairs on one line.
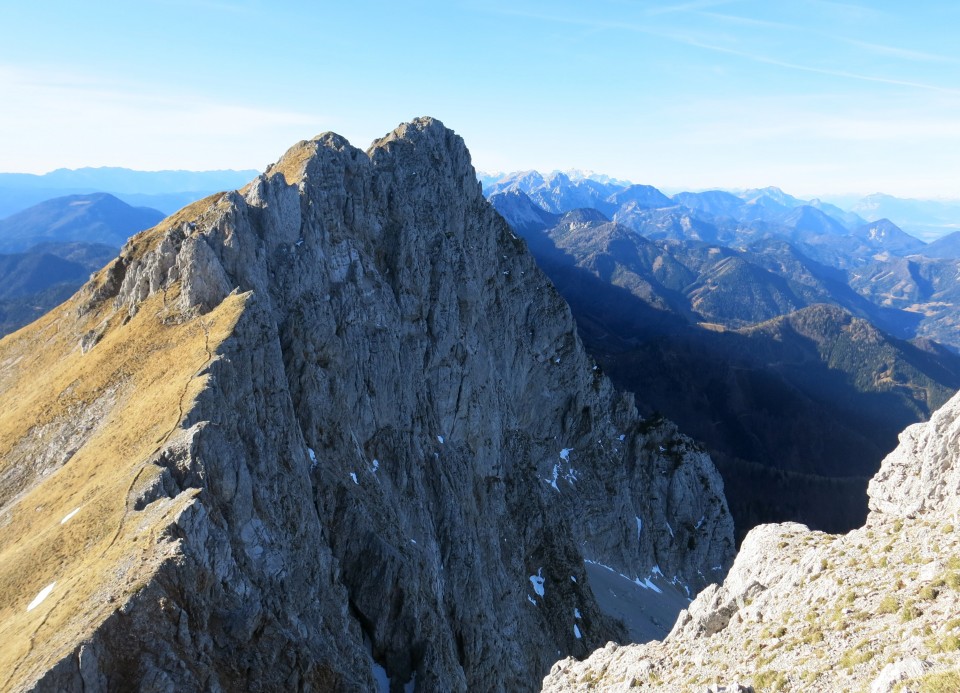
{"points": [[334, 430]]}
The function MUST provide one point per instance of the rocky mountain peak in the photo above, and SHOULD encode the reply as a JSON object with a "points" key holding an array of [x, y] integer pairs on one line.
{"points": [[355, 442]]}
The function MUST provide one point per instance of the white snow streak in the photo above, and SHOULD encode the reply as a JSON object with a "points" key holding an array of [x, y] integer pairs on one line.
{"points": [[69, 515], [354, 477], [41, 595], [537, 582], [576, 631]]}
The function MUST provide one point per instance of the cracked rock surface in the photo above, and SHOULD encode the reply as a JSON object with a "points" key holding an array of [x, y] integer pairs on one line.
{"points": [[389, 459]]}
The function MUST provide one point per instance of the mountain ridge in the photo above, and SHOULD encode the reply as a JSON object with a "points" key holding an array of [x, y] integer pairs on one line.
{"points": [[383, 452]]}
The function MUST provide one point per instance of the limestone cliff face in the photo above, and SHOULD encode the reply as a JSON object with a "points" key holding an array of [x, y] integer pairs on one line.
{"points": [[922, 476], [390, 458], [799, 610]]}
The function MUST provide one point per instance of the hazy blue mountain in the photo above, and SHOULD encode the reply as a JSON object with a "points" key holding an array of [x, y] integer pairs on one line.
{"points": [[945, 247], [557, 192], [35, 281], [848, 219], [124, 180], [770, 197], [884, 235], [676, 223], [93, 218], [928, 219], [640, 196], [811, 220], [521, 212], [716, 203], [167, 191]]}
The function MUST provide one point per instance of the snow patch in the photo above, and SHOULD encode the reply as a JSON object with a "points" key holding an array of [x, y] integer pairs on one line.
{"points": [[622, 437], [69, 515], [380, 676], [553, 481], [313, 457], [576, 613], [573, 579], [639, 527], [576, 632], [565, 454], [537, 582], [376, 466], [655, 570], [440, 438], [669, 529], [700, 521], [41, 595], [354, 477], [647, 585], [531, 600]]}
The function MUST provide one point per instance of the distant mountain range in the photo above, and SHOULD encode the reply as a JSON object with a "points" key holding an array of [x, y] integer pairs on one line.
{"points": [[928, 219], [49, 250], [94, 218], [925, 219], [167, 191], [770, 328], [34, 282]]}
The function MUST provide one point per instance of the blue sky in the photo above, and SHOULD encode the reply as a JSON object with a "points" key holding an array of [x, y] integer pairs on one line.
{"points": [[810, 95]]}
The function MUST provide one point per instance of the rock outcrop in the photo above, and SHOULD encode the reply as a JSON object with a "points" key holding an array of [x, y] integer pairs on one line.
{"points": [[344, 437], [873, 609]]}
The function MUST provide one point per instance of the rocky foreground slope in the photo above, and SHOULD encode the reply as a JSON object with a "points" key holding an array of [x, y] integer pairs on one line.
{"points": [[334, 431], [877, 609]]}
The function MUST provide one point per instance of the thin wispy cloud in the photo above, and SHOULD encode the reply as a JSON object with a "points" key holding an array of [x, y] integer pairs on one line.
{"points": [[766, 60], [747, 21], [692, 6], [896, 52], [689, 40]]}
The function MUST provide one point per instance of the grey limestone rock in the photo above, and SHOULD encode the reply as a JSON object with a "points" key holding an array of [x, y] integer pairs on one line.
{"points": [[402, 456], [922, 476]]}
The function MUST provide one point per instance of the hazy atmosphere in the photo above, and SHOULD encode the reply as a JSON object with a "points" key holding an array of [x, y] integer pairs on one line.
{"points": [[815, 97]]}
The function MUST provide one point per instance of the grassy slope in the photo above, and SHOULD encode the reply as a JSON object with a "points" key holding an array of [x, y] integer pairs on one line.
{"points": [[140, 379]]}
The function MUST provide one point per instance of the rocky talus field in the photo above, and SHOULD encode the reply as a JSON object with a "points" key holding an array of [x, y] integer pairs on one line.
{"points": [[877, 609], [333, 431]]}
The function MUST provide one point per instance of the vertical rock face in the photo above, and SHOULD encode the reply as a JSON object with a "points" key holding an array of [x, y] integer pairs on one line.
{"points": [[922, 475], [799, 610], [400, 457]]}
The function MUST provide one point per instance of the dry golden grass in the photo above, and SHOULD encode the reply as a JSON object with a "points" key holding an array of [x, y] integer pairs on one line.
{"points": [[293, 162], [150, 367]]}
